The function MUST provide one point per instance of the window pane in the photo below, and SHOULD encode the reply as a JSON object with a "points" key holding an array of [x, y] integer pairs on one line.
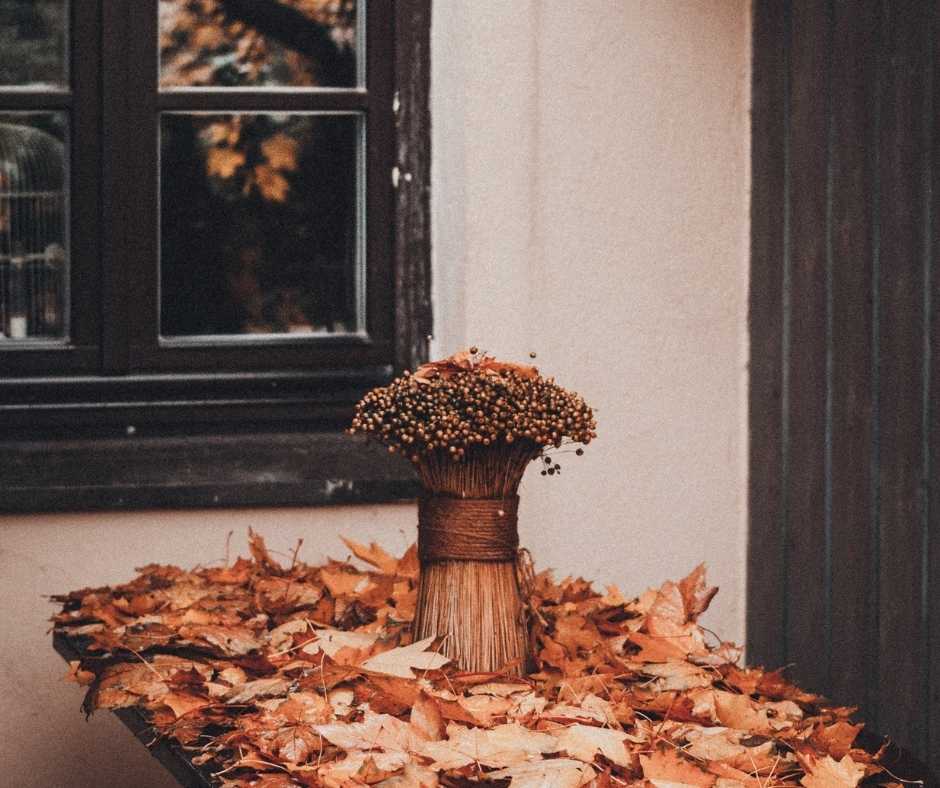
{"points": [[33, 218], [32, 42], [260, 225], [261, 43]]}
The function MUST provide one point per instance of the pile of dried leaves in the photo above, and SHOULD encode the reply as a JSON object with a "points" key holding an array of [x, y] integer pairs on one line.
{"points": [[306, 676]]}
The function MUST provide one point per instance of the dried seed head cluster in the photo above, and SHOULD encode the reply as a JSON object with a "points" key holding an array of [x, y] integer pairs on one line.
{"points": [[455, 406]]}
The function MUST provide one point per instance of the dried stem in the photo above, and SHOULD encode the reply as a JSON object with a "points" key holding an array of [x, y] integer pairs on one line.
{"points": [[484, 472], [477, 604]]}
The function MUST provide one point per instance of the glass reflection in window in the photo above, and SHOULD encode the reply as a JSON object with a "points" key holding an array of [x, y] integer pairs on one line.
{"points": [[33, 221], [260, 224], [265, 43], [32, 42]]}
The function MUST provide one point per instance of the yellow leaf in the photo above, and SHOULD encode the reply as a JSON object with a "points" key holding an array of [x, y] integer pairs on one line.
{"points": [[271, 184], [223, 162], [281, 152]]}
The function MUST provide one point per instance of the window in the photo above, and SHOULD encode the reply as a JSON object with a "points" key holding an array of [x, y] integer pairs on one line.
{"points": [[200, 231]]}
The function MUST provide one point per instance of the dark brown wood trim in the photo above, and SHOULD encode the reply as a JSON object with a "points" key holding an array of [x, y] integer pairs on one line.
{"points": [[843, 556], [270, 468], [413, 212], [769, 255]]}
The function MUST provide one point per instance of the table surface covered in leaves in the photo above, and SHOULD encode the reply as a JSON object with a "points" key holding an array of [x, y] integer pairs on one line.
{"points": [[256, 674]]}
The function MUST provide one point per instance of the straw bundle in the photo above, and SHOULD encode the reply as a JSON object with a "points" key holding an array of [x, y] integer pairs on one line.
{"points": [[471, 425]]}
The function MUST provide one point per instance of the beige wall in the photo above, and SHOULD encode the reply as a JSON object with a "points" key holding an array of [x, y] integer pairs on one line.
{"points": [[591, 177], [590, 204]]}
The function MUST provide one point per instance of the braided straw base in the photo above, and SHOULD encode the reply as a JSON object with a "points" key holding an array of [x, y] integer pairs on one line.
{"points": [[479, 606]]}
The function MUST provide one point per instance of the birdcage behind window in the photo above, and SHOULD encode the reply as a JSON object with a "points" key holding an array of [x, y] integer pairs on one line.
{"points": [[32, 234]]}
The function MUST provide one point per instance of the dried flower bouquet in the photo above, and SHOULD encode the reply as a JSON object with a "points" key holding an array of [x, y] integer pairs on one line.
{"points": [[471, 425]]}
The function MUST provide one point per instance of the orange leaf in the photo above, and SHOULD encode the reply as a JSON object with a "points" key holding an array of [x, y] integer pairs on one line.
{"points": [[829, 773], [272, 185], [281, 152], [665, 767], [374, 555], [654, 649], [837, 738], [223, 162], [695, 594], [427, 718]]}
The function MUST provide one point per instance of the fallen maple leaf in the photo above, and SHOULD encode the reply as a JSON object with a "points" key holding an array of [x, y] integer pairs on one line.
{"points": [[427, 718], [303, 683], [404, 661], [696, 595], [374, 555], [330, 641], [714, 744], [677, 675], [827, 772], [500, 747], [666, 768], [837, 738], [376, 731], [590, 707], [242, 693], [557, 773], [585, 742], [412, 776]]}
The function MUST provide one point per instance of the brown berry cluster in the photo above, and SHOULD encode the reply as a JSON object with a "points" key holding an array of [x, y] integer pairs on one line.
{"points": [[460, 410]]}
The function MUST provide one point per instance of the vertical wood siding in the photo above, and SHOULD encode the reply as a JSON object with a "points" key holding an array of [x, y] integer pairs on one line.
{"points": [[844, 551]]}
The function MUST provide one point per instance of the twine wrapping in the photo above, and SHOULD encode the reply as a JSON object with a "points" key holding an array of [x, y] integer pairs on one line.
{"points": [[467, 529]]}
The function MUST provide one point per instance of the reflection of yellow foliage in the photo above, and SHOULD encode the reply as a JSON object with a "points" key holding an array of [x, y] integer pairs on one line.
{"points": [[224, 161], [209, 37], [222, 132], [281, 152], [271, 184]]}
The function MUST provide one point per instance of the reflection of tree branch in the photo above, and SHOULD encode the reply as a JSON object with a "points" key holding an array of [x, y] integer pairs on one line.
{"points": [[291, 28]]}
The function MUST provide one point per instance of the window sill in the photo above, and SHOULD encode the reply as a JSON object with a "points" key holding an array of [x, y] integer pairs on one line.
{"points": [[246, 470]]}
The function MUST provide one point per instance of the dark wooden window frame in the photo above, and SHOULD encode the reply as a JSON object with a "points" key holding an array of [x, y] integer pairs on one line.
{"points": [[110, 425]]}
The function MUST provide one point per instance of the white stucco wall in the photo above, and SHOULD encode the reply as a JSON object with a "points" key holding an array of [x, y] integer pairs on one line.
{"points": [[590, 191]]}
